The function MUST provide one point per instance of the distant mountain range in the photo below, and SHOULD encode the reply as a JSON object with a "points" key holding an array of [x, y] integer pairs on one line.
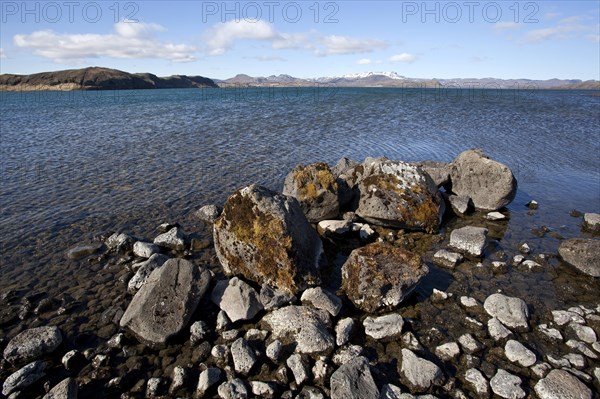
{"points": [[96, 78]]}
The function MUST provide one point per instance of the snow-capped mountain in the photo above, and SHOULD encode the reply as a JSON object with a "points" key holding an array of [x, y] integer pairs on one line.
{"points": [[362, 75]]}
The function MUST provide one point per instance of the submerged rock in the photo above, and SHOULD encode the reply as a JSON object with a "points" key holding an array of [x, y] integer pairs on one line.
{"points": [[490, 184], [32, 344], [265, 237], [354, 380], [316, 189], [379, 276], [81, 251], [164, 305], [583, 254]]}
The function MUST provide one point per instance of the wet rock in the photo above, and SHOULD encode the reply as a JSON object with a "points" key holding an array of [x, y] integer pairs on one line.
{"points": [[272, 298], [533, 204], [32, 344], [343, 331], [507, 385], [438, 171], [316, 189], [263, 389], [447, 259], [24, 377], [399, 195], [66, 389], [299, 368], [460, 204], [309, 328], [243, 356], [119, 242], [516, 352], [591, 222], [380, 276], [322, 299], [353, 380], [81, 251], [512, 312], [524, 248], [237, 299], [495, 216], [561, 384], [265, 237], [172, 239], [583, 254], [144, 271], [469, 344], [384, 327], [273, 350], [419, 374], [478, 382], [334, 228], [584, 333], [490, 184], [208, 213], [469, 239], [447, 352], [164, 305], [234, 389], [145, 249]]}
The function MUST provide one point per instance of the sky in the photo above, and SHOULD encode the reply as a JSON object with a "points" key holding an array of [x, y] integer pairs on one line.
{"points": [[307, 39]]}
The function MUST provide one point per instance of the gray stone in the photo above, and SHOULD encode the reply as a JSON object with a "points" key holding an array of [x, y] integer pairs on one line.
{"points": [[321, 370], [562, 317], [208, 213], [307, 327], [208, 378], [83, 250], [439, 296], [447, 259], [490, 184], [390, 391], [469, 239], [460, 204], [24, 377], [145, 249], [591, 222], [236, 298], [273, 350], [220, 352], [70, 359], [384, 327], [512, 312], [541, 369], [366, 233], [524, 248], [322, 299], [495, 216], [507, 385], [153, 387], [243, 356], [448, 351], [144, 271], [299, 368], [119, 242], [468, 302], [230, 335], [576, 360], [478, 382], [116, 341], [100, 360], [272, 298], [353, 380], [32, 344], [234, 389], [551, 333], [583, 254], [66, 389], [584, 333], [469, 344], [265, 237], [343, 331], [223, 322], [172, 239], [380, 276], [563, 385], [164, 305], [334, 228], [581, 347], [419, 374], [179, 378], [438, 171], [255, 334], [346, 353], [516, 352], [309, 392], [411, 342], [263, 389], [198, 332]]}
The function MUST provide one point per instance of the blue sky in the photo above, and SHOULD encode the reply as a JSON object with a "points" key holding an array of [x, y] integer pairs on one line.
{"points": [[437, 39]]}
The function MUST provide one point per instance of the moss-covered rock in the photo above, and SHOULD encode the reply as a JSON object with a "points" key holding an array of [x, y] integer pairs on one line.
{"points": [[265, 237], [379, 276], [315, 187]]}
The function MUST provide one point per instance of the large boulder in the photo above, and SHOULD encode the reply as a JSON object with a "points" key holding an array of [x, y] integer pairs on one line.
{"points": [[399, 195], [163, 306], [316, 189], [379, 276], [561, 384], [583, 254], [265, 237], [33, 343], [490, 184]]}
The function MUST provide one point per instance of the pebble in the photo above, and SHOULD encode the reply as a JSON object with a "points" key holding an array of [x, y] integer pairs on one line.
{"points": [[198, 332], [179, 377], [263, 389], [243, 356], [495, 216], [524, 248], [234, 389], [219, 351], [447, 352], [478, 382], [516, 352], [584, 333], [299, 368], [343, 331], [172, 239], [507, 385], [384, 327], [70, 359], [273, 350], [469, 344], [517, 259], [468, 302], [223, 321], [255, 334], [321, 370], [153, 387], [322, 299], [551, 333], [208, 378], [576, 360], [438, 296]]}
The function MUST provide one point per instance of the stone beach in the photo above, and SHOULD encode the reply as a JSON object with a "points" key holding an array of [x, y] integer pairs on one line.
{"points": [[361, 280]]}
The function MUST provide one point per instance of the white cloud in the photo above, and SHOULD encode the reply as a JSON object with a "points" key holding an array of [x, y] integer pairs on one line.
{"points": [[130, 40], [2, 53], [364, 61], [221, 37], [502, 26], [404, 57], [265, 58], [335, 44], [567, 28]]}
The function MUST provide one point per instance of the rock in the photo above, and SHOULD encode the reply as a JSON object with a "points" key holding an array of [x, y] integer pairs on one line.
{"points": [[24, 377], [223, 322], [581, 347], [309, 392], [562, 317], [144, 271], [254, 334], [495, 216], [353, 380], [583, 254], [345, 354], [524, 248], [198, 332], [220, 352], [551, 333], [512, 312], [322, 299], [533, 204], [243, 356], [468, 302], [119, 242], [478, 382], [263, 389], [208, 378], [71, 359], [438, 171], [66, 389], [273, 350], [591, 222], [316, 189], [264, 237], [469, 344], [145, 249], [299, 368], [343, 331], [576, 360], [447, 259], [32, 344], [399, 195], [234, 389], [469, 239], [507, 385], [561, 384], [272, 298], [172, 239], [334, 228], [81, 251], [208, 213], [379, 276], [541, 369], [460, 204], [420, 374], [439, 296], [308, 327], [237, 299], [230, 335], [100, 360], [321, 371], [154, 387], [390, 391], [584, 333], [490, 184], [164, 305], [411, 342], [516, 352], [499, 267], [447, 352], [179, 378], [384, 327], [366, 233]]}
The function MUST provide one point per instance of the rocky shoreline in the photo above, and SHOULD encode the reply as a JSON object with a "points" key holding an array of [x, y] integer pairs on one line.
{"points": [[345, 284]]}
